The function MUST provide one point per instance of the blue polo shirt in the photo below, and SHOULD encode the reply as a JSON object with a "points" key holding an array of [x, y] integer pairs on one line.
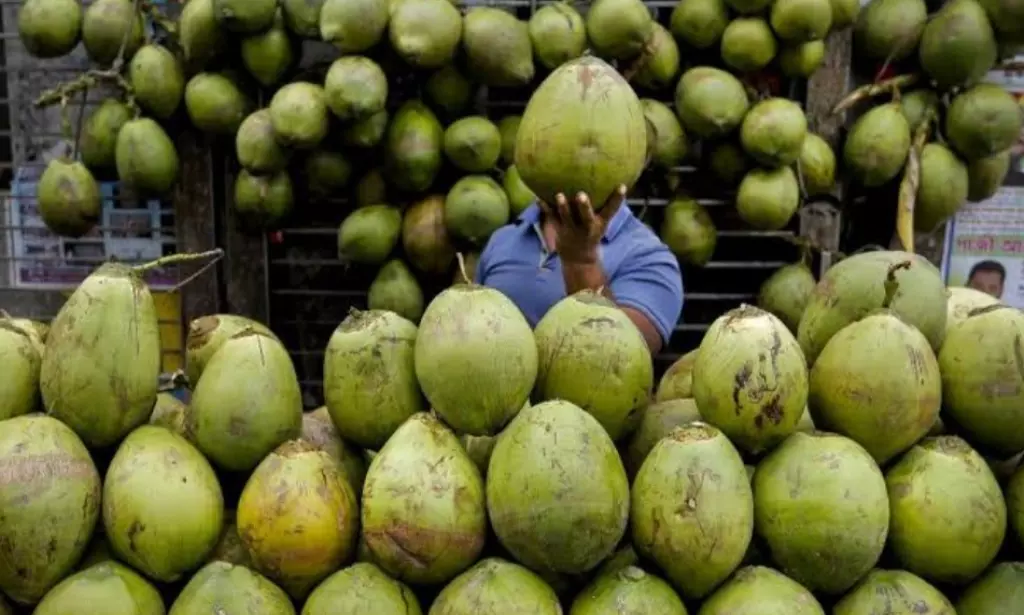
{"points": [[642, 273]]}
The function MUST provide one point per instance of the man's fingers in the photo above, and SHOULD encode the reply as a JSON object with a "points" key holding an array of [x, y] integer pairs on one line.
{"points": [[564, 212], [614, 202], [547, 210], [585, 211]]}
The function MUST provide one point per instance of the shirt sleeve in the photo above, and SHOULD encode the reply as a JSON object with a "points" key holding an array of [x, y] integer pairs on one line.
{"points": [[649, 281], [484, 262]]}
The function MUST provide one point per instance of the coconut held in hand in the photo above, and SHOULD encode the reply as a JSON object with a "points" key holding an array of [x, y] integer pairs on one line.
{"points": [[583, 130]]}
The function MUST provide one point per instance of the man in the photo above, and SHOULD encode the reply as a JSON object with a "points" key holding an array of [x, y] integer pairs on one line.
{"points": [[554, 251], [988, 277]]}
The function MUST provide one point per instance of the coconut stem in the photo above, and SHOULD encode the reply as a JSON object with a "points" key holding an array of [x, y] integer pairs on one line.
{"points": [[638, 64], [910, 183], [462, 268], [176, 259], [871, 90], [892, 284]]}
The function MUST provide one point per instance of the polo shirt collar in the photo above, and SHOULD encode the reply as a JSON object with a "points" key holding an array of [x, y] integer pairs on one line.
{"points": [[530, 218]]}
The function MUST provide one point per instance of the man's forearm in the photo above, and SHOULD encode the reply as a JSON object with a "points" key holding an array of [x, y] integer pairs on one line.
{"points": [[585, 276]]}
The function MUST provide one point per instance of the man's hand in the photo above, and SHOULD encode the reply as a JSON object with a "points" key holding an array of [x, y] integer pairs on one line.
{"points": [[578, 228]]}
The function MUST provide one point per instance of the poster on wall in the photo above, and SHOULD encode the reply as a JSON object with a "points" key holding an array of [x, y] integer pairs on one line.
{"points": [[984, 246]]}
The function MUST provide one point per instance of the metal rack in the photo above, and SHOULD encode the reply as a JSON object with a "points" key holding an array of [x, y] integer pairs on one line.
{"points": [[309, 291]]}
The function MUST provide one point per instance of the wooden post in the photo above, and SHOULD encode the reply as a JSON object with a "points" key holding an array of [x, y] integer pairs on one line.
{"points": [[245, 255], [195, 223]]}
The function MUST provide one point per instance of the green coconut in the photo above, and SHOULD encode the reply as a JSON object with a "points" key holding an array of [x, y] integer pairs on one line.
{"points": [[728, 163], [544, 444], [269, 55], [162, 505], [414, 143], [238, 424], [475, 207], [916, 104], [658, 421], [773, 132], [710, 102], [231, 589], [688, 231], [1003, 584], [580, 341], [358, 589], [21, 356], [958, 45], [98, 139], [49, 28], [327, 172], [825, 481], [894, 591], [369, 377], [748, 44], [371, 188], [677, 381], [699, 548], [619, 29], [496, 587], [145, 157], [497, 47], [558, 34], [669, 143], [369, 234], [508, 126], [802, 60], [298, 112], [844, 13], [502, 382], [367, 132], [473, 144], [963, 301], [319, 430], [111, 29], [699, 23], [889, 29], [983, 121], [298, 517], [941, 189], [423, 536], [985, 176], [449, 91], [877, 382], [661, 66], [948, 515], [756, 590], [877, 145], [767, 199], [817, 166], [98, 376], [757, 402], [171, 413], [629, 588], [425, 33], [355, 87], [157, 80], [302, 17], [200, 34], [245, 16], [1007, 18], [982, 382], [425, 238], [395, 289], [800, 21], [599, 141], [353, 26], [207, 334], [786, 292], [108, 588], [262, 201], [50, 496], [519, 195], [68, 198], [855, 287]]}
